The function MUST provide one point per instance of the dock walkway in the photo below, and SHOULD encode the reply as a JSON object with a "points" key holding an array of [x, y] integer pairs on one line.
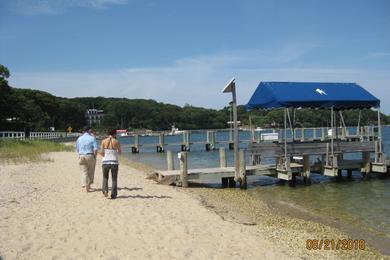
{"points": [[223, 172]]}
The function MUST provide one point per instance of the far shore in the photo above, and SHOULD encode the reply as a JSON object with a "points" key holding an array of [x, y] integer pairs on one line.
{"points": [[45, 215]]}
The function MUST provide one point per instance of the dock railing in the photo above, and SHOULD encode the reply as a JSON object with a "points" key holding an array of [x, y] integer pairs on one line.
{"points": [[52, 135], [211, 138], [12, 135], [37, 135]]}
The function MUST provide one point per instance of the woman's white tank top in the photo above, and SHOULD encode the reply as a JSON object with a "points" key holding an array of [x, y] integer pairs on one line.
{"points": [[110, 155]]}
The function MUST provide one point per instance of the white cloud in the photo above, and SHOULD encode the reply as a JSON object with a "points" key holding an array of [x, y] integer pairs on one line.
{"points": [[53, 7], [199, 80], [250, 58], [378, 54], [104, 3], [38, 7]]}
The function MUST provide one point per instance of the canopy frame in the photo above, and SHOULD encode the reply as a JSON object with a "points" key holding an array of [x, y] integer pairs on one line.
{"points": [[337, 101]]}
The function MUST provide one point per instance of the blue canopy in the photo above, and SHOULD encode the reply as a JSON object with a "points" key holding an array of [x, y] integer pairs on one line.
{"points": [[311, 95]]}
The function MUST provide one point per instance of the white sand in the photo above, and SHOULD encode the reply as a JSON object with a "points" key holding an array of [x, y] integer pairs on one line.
{"points": [[44, 214]]}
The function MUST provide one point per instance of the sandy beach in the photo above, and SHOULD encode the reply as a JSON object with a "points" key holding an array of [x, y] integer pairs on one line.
{"points": [[44, 214]]}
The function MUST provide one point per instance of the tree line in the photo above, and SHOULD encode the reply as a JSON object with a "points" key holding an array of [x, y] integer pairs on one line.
{"points": [[34, 110]]}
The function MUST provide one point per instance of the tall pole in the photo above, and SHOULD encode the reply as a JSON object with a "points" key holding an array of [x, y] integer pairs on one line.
{"points": [[379, 130], [332, 123], [285, 138], [230, 124], [236, 141], [231, 87]]}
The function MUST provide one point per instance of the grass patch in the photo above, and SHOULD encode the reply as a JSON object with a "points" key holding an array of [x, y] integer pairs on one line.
{"points": [[20, 151]]}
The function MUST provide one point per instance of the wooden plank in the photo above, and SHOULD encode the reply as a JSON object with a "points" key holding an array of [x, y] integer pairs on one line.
{"points": [[178, 144], [311, 148], [250, 170], [173, 144]]}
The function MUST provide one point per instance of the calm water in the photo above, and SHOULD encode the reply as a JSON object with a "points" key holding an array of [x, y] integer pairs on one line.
{"points": [[359, 206]]}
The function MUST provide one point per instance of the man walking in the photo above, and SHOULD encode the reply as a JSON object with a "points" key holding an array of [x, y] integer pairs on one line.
{"points": [[86, 147]]}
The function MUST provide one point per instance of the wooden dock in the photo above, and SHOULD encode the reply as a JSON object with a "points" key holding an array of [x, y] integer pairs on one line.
{"points": [[224, 172], [327, 146], [227, 173], [330, 161], [173, 176]]}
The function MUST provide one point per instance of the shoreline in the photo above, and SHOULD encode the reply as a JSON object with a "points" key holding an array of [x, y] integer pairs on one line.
{"points": [[236, 209], [287, 210], [50, 216], [285, 229]]}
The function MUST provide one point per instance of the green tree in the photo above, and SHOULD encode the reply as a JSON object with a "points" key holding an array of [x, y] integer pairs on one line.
{"points": [[4, 75], [6, 102], [37, 110]]}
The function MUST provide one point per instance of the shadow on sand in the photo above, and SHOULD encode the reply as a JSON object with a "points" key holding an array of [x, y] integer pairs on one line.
{"points": [[143, 197], [119, 188], [130, 189]]}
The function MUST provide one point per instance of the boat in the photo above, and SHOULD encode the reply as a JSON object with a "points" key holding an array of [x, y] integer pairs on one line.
{"points": [[122, 133], [175, 131]]}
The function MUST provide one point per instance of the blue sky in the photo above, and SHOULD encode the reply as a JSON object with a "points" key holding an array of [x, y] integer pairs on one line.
{"points": [[184, 52]]}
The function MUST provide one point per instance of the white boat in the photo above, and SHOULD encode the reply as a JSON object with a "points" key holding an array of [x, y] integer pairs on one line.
{"points": [[175, 131], [122, 133]]}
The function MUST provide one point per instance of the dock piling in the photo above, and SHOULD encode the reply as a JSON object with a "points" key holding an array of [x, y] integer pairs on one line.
{"points": [[210, 144], [339, 174], [170, 163], [306, 170], [322, 134], [135, 147], [224, 181], [183, 169], [349, 173], [366, 164], [161, 141], [186, 141], [228, 182], [293, 181], [343, 133], [207, 145], [242, 177], [222, 157]]}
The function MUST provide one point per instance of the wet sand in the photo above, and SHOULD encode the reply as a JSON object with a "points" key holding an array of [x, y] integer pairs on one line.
{"points": [[283, 225]]}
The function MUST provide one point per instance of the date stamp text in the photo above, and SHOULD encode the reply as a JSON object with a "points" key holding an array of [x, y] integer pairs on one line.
{"points": [[335, 244]]}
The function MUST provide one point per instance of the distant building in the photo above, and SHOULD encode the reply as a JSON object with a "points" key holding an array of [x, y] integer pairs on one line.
{"points": [[94, 116]]}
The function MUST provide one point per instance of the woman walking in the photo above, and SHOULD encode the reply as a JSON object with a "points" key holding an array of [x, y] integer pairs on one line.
{"points": [[110, 149]]}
